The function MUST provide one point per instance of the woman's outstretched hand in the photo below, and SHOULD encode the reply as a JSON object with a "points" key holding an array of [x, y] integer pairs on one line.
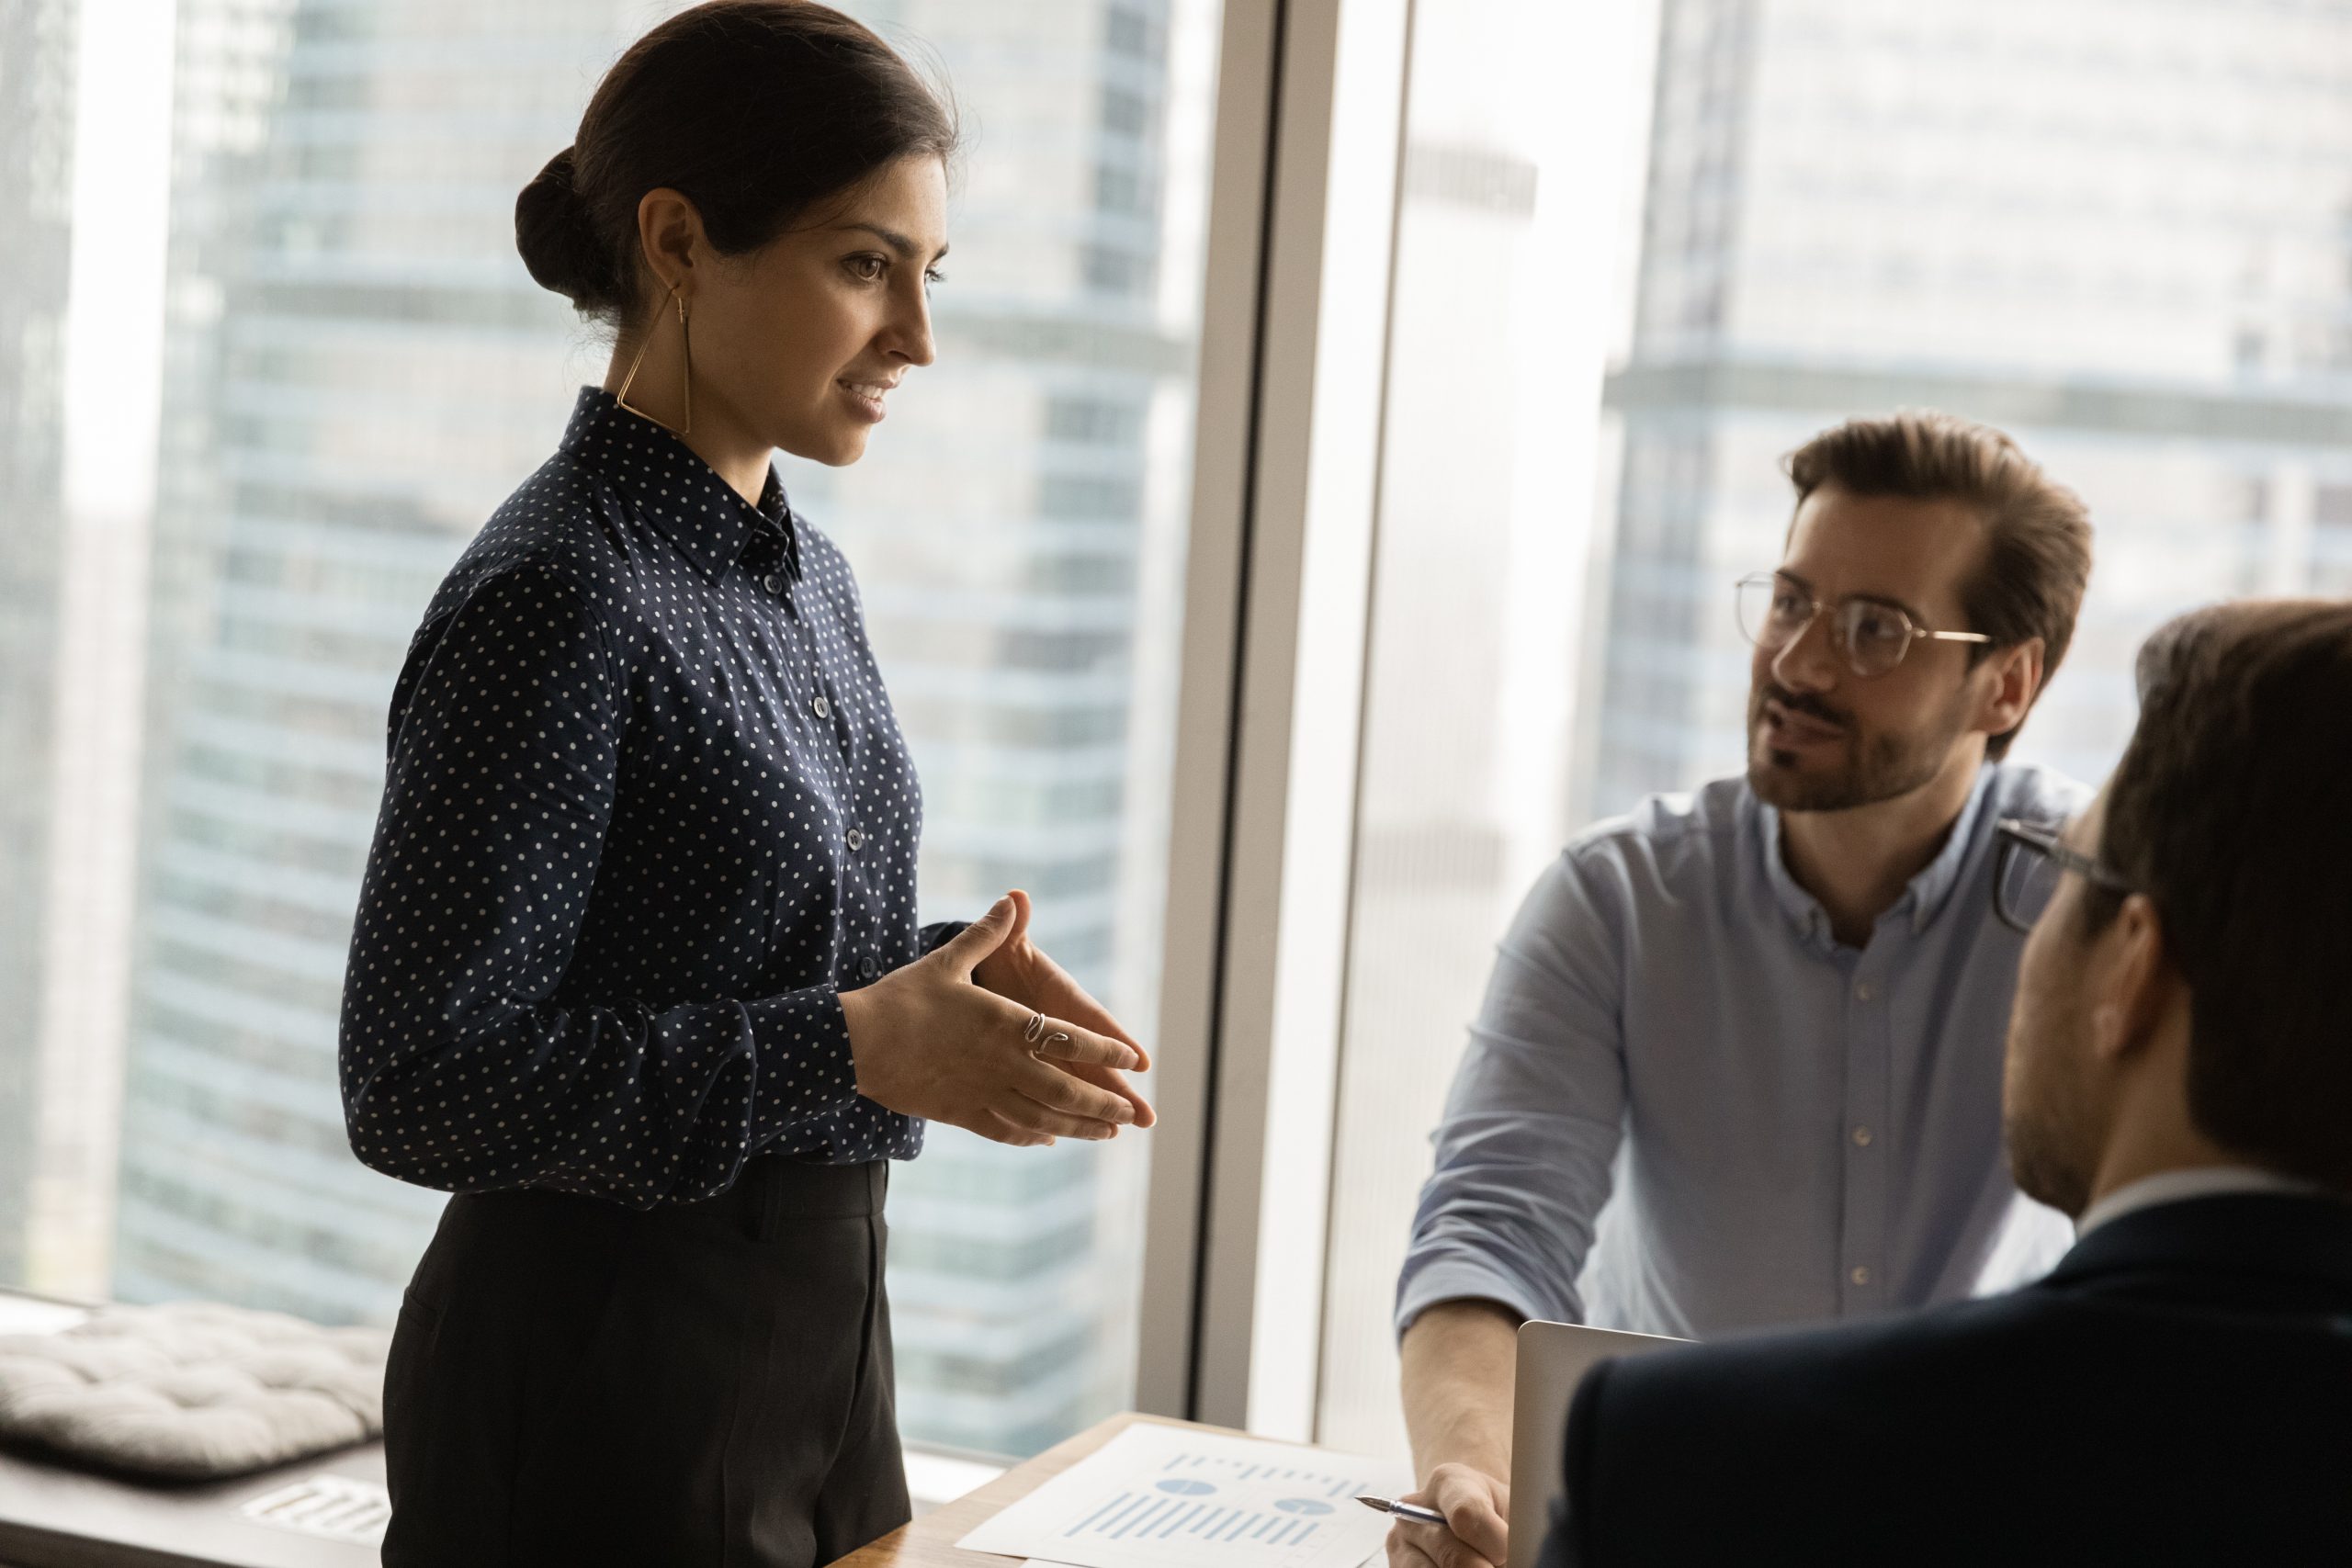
{"points": [[925, 1041], [1020, 971]]}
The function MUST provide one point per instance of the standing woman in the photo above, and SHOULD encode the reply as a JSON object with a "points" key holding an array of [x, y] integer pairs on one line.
{"points": [[636, 972]]}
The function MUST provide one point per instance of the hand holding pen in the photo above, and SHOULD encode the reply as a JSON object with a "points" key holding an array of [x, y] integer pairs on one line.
{"points": [[1466, 1507]]}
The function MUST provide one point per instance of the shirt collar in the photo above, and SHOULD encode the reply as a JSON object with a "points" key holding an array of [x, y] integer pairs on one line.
{"points": [[2173, 1186], [676, 493], [1927, 893]]}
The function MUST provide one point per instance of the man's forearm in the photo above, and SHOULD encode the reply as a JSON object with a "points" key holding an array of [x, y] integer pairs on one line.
{"points": [[1458, 1362]]}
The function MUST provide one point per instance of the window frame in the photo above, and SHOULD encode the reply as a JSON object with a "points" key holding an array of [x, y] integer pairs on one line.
{"points": [[1307, 162]]}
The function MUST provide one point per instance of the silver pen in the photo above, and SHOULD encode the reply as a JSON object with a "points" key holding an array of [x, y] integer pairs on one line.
{"points": [[1412, 1511]]}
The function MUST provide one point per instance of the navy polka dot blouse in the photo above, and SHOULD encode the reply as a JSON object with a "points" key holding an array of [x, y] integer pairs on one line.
{"points": [[648, 813]]}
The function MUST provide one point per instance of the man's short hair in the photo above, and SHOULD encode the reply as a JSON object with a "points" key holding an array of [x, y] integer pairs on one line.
{"points": [[2228, 812], [2037, 558]]}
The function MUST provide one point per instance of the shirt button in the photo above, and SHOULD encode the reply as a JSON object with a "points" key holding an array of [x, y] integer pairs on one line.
{"points": [[773, 582], [822, 708], [1862, 1137], [1864, 991], [867, 968], [856, 838], [1861, 1274]]}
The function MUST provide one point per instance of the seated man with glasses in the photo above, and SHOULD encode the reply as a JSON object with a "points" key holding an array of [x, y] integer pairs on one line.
{"points": [[2179, 1079], [1739, 1061]]}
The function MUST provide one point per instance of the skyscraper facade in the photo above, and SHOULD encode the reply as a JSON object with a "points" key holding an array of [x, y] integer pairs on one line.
{"points": [[37, 66], [359, 369], [2118, 231], [354, 377], [1015, 534]]}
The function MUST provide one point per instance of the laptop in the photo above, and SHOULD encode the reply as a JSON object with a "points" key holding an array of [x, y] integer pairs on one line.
{"points": [[1552, 1358]]}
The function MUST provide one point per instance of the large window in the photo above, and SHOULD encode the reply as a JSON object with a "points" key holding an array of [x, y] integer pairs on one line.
{"points": [[1640, 251], [2118, 231], [1508, 263], [356, 371], [1020, 543]]}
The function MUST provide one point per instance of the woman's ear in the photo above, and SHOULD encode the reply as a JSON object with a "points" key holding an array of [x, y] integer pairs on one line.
{"points": [[669, 238]]}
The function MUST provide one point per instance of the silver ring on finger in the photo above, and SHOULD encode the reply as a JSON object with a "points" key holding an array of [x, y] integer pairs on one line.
{"points": [[1034, 1029]]}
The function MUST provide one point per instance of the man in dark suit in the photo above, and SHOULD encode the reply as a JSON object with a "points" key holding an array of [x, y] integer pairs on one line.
{"points": [[2179, 1079]]}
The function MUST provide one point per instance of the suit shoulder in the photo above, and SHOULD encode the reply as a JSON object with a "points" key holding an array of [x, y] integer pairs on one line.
{"points": [[1766, 1381]]}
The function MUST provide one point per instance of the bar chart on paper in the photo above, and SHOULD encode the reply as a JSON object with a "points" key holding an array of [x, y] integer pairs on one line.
{"points": [[1168, 1497]]}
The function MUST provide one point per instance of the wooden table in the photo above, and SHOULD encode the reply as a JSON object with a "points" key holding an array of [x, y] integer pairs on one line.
{"points": [[930, 1540]]}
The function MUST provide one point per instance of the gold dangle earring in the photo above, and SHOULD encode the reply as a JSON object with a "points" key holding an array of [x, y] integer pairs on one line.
{"points": [[686, 382]]}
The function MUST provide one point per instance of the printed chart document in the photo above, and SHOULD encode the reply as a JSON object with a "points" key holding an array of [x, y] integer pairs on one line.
{"points": [[1168, 1497]]}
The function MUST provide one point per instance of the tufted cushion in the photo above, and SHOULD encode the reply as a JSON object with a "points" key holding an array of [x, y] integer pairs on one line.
{"points": [[192, 1390]]}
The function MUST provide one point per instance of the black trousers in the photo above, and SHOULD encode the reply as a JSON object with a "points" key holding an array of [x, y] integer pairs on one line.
{"points": [[576, 1382]]}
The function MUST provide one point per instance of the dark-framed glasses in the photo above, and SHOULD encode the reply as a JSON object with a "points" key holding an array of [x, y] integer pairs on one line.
{"points": [[1775, 609], [2032, 860]]}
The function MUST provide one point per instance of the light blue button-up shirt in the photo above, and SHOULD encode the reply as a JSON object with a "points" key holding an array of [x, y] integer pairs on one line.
{"points": [[1792, 1130]]}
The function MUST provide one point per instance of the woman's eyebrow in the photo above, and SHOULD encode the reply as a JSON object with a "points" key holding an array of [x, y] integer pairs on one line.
{"points": [[892, 238]]}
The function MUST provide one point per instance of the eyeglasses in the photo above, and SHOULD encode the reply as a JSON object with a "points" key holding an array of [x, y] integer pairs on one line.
{"points": [[1873, 633], [2026, 877]]}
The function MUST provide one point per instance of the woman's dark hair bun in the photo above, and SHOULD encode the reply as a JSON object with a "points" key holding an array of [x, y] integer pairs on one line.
{"points": [[557, 234], [757, 111]]}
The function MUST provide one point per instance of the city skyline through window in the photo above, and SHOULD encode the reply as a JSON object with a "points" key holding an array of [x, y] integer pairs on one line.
{"points": [[356, 370], [2116, 230], [1637, 262]]}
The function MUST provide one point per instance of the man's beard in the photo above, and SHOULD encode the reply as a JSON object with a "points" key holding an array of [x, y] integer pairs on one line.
{"points": [[2054, 1116], [2049, 1127], [1877, 767]]}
